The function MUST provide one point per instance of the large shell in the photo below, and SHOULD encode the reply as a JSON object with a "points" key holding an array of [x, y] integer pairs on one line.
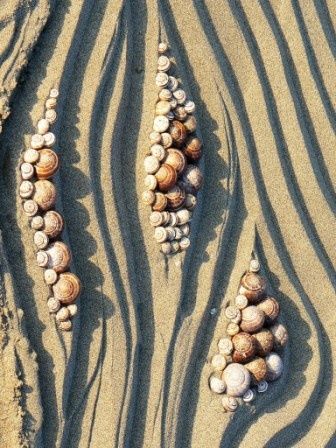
{"points": [[252, 319], [190, 124], [263, 342], [160, 202], [274, 366], [67, 288], [59, 256], [166, 177], [257, 368], [53, 223], [176, 159], [178, 132], [252, 286], [237, 379], [175, 198], [243, 347], [45, 194], [280, 335], [193, 148], [271, 309]]}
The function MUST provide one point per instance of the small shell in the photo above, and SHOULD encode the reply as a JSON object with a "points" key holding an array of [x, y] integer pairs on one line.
{"points": [[185, 229], [54, 93], [161, 123], [180, 113], [51, 115], [263, 341], [218, 362], [150, 182], [42, 258], [190, 202], [173, 103], [178, 132], [156, 219], [42, 126], [243, 347], [36, 223], [178, 233], [175, 198], [193, 148], [280, 335], [41, 240], [192, 178], [176, 159], [190, 124], [249, 396], [151, 164], [50, 276], [53, 305], [241, 302], [166, 140], [257, 368], [155, 137], [254, 265], [165, 217], [37, 141], [47, 164], [26, 189], [148, 197], [172, 83], [252, 319], [170, 116], [59, 257], [170, 232], [175, 245], [162, 108], [72, 308], [217, 385], [232, 312], [190, 107], [165, 95], [262, 386], [31, 155], [225, 346], [67, 288], [51, 103], [271, 309], [27, 170], [158, 151], [163, 47], [49, 139], [184, 243], [160, 234], [30, 207], [161, 79], [166, 248], [237, 379], [180, 96], [160, 202], [232, 329], [274, 366], [166, 177], [183, 216], [63, 314], [53, 223], [252, 286], [172, 219], [230, 404], [65, 325], [45, 194], [164, 64]]}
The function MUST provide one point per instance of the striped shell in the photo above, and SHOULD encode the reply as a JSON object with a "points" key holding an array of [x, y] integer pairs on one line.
{"points": [[47, 164], [257, 368], [263, 341], [67, 288], [166, 177], [193, 148], [190, 202], [178, 132], [161, 79], [243, 347], [166, 140], [164, 64], [53, 223], [27, 171], [184, 243], [176, 159], [26, 189], [175, 198], [252, 286], [165, 95], [160, 202], [172, 83], [252, 319], [45, 194], [280, 335], [190, 107], [230, 404], [237, 379], [59, 256], [180, 96], [271, 308]]}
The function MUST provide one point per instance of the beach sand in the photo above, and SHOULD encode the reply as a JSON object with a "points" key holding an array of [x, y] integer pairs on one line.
{"points": [[135, 370]]}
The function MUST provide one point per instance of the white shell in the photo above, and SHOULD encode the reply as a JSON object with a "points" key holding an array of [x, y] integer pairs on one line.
{"points": [[274, 366], [170, 233], [232, 312], [262, 386], [42, 126], [189, 107], [156, 219], [190, 202], [53, 305], [280, 334], [41, 240], [173, 103], [175, 245], [230, 404], [172, 83], [249, 396], [241, 301], [65, 325], [166, 248], [162, 107], [160, 234], [180, 96], [62, 314], [178, 233], [37, 141], [151, 164], [72, 308], [49, 139], [158, 151], [50, 276], [51, 115], [37, 222], [185, 229], [165, 95], [184, 243], [155, 137], [30, 207], [225, 346], [161, 79], [42, 258], [51, 103], [172, 219], [217, 385], [254, 266], [150, 182], [218, 362], [54, 93], [164, 64], [26, 189], [166, 140], [161, 123], [148, 197], [27, 170], [165, 217], [232, 329], [163, 47], [183, 216], [31, 155], [237, 379]]}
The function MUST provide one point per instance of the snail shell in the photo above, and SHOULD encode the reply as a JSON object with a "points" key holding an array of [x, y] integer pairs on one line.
{"points": [[241, 301], [249, 396], [271, 309], [150, 182], [42, 126], [47, 164], [166, 140], [176, 159], [165, 95], [262, 386], [54, 93], [274, 366], [51, 116], [67, 288], [49, 139], [45, 194], [193, 148], [257, 368], [232, 329], [164, 64], [232, 312], [184, 243], [190, 124], [156, 219], [50, 276], [161, 123], [155, 137], [178, 132], [65, 325], [178, 233], [166, 177], [183, 216], [172, 219], [27, 171], [180, 113], [26, 189], [30, 155], [218, 362], [160, 234], [170, 116], [42, 258], [148, 197], [37, 222], [230, 404], [59, 257], [166, 248], [217, 385], [252, 286], [30, 207], [163, 47], [165, 217], [158, 151], [151, 164], [53, 305], [175, 198], [237, 379], [185, 229], [243, 347], [280, 335], [192, 178], [172, 83], [162, 107], [170, 232], [160, 202], [51, 103], [264, 342], [161, 79], [252, 319], [37, 141], [175, 245], [72, 308], [41, 240], [190, 107], [225, 346], [53, 223], [62, 314], [173, 103], [180, 96], [254, 265], [190, 202]]}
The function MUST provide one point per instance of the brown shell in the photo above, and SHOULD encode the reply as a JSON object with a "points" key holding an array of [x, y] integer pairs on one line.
{"points": [[45, 194], [271, 308], [252, 319], [178, 132], [192, 178], [193, 148], [166, 177], [176, 159], [67, 288], [47, 164], [59, 256], [243, 347], [263, 341], [252, 286], [175, 198], [190, 124], [180, 113], [160, 202], [258, 369], [53, 224]]}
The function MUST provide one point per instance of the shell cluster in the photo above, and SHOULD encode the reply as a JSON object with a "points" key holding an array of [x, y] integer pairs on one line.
{"points": [[172, 175], [248, 355], [38, 194]]}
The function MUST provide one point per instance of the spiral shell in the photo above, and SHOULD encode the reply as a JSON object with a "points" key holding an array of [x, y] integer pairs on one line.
{"points": [[37, 141], [155, 137], [158, 151], [41, 240], [241, 301], [37, 222], [254, 265], [148, 197], [150, 182], [257, 368], [163, 47], [166, 140], [160, 202], [180, 96], [172, 83], [190, 202], [49, 139], [243, 347], [183, 216], [280, 335], [225, 346], [72, 308], [175, 198], [53, 305], [252, 286], [164, 64], [59, 257], [26, 189], [53, 223], [47, 164], [252, 319], [263, 341], [173, 103], [166, 177], [161, 80], [262, 386], [172, 219], [51, 116], [42, 258], [30, 155], [54, 93], [156, 219], [233, 313], [166, 248], [162, 107], [180, 113], [176, 159], [178, 233], [185, 229], [271, 309], [237, 379], [184, 243], [274, 366], [165, 95], [230, 404], [30, 207], [45, 194], [190, 124], [27, 171], [190, 107], [67, 288], [51, 103], [50, 276], [160, 234], [65, 325], [42, 126], [178, 132], [216, 384], [218, 362], [232, 329], [249, 396], [193, 148], [151, 164], [192, 178], [62, 314]]}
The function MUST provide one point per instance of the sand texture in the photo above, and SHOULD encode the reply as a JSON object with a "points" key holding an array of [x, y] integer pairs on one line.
{"points": [[134, 372]]}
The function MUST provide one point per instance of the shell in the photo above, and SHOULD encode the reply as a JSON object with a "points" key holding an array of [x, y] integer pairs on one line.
{"points": [[274, 366], [41, 240], [163, 47], [217, 385], [50, 276], [249, 396], [148, 197], [180, 96], [190, 107], [241, 301], [42, 126], [264, 342], [252, 319], [67, 288], [252, 286], [184, 243], [185, 229], [150, 182], [257, 368], [51, 116], [166, 248], [176, 159], [190, 202], [151, 164], [232, 329], [59, 257], [166, 140], [162, 107], [45, 194], [232, 313], [155, 137], [160, 234], [165, 217], [225, 346], [178, 132], [63, 314], [271, 309], [165, 95], [218, 362], [170, 116], [30, 207], [27, 171], [158, 151], [178, 233], [175, 245], [170, 233], [156, 219], [53, 305], [262, 386], [175, 198], [37, 222], [183, 216], [160, 202], [51, 103], [230, 404], [173, 103], [37, 141], [53, 223], [26, 189], [42, 258], [280, 335], [49, 139], [180, 113], [190, 124], [47, 164], [193, 148], [172, 83], [172, 219], [166, 177], [164, 64], [72, 308], [254, 265], [237, 379], [243, 347], [161, 123], [192, 178], [65, 325], [54, 93], [161, 79], [30, 155]]}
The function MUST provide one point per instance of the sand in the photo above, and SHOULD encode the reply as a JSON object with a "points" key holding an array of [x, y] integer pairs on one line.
{"points": [[135, 370]]}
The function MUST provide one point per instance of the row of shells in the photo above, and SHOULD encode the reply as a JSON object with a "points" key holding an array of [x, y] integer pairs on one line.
{"points": [[38, 194], [172, 175], [248, 356]]}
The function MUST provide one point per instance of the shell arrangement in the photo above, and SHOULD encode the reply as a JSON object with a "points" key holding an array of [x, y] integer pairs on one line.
{"points": [[248, 355], [173, 177], [38, 195]]}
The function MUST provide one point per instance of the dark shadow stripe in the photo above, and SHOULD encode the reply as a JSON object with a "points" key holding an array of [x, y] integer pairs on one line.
{"points": [[327, 24]]}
